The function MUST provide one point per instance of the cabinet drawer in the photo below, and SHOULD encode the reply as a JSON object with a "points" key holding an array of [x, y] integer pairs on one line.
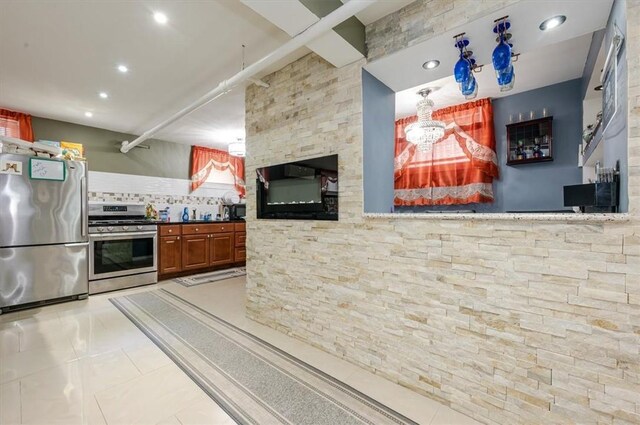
{"points": [[241, 239], [240, 254], [197, 229], [169, 230], [241, 227], [220, 228]]}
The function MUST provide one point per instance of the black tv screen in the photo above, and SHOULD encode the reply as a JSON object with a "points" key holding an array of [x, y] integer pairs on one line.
{"points": [[300, 190]]}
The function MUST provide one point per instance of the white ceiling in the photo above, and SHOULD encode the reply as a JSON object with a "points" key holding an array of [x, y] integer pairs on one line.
{"points": [[57, 55], [546, 57], [540, 68]]}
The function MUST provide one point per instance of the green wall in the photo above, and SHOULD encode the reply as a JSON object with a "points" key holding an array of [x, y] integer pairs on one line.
{"points": [[102, 149]]}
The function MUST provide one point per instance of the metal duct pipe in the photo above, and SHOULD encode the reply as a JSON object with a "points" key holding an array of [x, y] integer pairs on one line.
{"points": [[325, 24]]}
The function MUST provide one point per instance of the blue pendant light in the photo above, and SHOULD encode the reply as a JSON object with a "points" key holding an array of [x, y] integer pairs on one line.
{"points": [[502, 56], [463, 69], [470, 88]]}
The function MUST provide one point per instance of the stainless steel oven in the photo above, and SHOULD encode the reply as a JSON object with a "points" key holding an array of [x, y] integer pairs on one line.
{"points": [[122, 250], [122, 254]]}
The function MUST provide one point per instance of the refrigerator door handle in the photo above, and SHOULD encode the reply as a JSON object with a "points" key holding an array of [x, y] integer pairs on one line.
{"points": [[83, 204], [70, 245]]}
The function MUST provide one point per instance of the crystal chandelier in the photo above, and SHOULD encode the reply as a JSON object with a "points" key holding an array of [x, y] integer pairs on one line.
{"points": [[426, 132], [237, 148]]}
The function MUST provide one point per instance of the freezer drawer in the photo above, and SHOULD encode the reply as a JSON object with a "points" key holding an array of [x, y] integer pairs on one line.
{"points": [[40, 273]]}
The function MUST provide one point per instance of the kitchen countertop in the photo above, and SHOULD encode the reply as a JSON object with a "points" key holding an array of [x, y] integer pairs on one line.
{"points": [[162, 223]]}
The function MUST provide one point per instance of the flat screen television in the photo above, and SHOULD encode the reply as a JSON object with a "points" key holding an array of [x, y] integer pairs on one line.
{"points": [[301, 190]]}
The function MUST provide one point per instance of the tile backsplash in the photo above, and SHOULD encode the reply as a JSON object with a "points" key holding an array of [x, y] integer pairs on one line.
{"points": [[160, 192], [176, 204]]}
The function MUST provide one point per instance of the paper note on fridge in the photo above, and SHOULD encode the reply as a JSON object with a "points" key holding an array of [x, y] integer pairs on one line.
{"points": [[11, 167]]}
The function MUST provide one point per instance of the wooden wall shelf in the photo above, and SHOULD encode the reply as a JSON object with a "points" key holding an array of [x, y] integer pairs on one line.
{"points": [[530, 142]]}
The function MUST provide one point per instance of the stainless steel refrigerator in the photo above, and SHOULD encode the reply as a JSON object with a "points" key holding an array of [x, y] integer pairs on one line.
{"points": [[43, 230]]}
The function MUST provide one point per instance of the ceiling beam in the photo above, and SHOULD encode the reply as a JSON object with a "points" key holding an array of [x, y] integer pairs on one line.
{"points": [[342, 45]]}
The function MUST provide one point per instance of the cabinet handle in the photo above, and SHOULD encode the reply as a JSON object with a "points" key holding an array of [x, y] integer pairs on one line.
{"points": [[196, 229], [170, 231], [178, 238]]}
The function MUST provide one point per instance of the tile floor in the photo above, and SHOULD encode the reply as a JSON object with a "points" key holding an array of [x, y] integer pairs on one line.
{"points": [[83, 362]]}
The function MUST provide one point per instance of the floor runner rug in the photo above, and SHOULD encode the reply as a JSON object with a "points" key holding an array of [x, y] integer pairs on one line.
{"points": [[253, 381], [202, 278]]}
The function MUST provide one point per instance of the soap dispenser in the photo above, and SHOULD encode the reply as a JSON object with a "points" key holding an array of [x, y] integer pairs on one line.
{"points": [[185, 214]]}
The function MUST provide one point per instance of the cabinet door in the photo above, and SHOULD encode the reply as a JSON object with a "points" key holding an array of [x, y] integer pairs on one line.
{"points": [[195, 252], [221, 248], [169, 255]]}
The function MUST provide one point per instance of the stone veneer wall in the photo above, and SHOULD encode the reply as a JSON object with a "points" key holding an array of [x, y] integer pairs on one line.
{"points": [[422, 20], [510, 322]]}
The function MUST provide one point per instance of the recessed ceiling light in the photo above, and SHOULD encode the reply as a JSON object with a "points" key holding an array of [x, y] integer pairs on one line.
{"points": [[551, 23], [598, 88], [103, 94], [430, 64], [123, 69], [160, 18], [88, 114]]}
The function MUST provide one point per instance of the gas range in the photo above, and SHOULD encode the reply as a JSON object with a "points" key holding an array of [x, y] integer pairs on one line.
{"points": [[122, 249], [118, 218], [120, 226]]}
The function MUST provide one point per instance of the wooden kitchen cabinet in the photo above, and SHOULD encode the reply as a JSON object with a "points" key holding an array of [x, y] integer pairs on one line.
{"points": [[185, 249], [221, 248], [170, 255], [195, 252]]}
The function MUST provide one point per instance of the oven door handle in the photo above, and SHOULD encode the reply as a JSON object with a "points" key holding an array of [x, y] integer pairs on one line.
{"points": [[71, 245], [122, 235]]}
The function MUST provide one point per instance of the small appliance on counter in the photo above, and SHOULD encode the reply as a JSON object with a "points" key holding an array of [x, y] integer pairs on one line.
{"points": [[603, 196], [43, 231], [122, 249], [237, 211], [593, 197]]}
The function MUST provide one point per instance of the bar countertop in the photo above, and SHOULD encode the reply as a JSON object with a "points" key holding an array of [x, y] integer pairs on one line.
{"points": [[587, 217]]}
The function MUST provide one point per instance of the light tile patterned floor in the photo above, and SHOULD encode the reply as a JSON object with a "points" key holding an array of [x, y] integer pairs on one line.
{"points": [[85, 363]]}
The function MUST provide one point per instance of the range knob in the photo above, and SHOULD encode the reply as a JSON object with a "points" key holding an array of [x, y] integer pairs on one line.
{"points": [[100, 229], [125, 227], [110, 228], [139, 227]]}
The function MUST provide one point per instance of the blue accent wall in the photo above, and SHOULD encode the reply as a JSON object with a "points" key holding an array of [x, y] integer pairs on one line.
{"points": [[379, 104], [616, 134], [534, 187]]}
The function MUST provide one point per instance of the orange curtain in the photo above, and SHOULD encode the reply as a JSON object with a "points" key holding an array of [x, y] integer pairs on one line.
{"points": [[16, 124], [204, 160], [460, 167]]}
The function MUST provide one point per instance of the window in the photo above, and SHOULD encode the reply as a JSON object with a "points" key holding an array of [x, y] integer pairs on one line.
{"points": [[221, 177], [15, 124], [9, 127]]}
